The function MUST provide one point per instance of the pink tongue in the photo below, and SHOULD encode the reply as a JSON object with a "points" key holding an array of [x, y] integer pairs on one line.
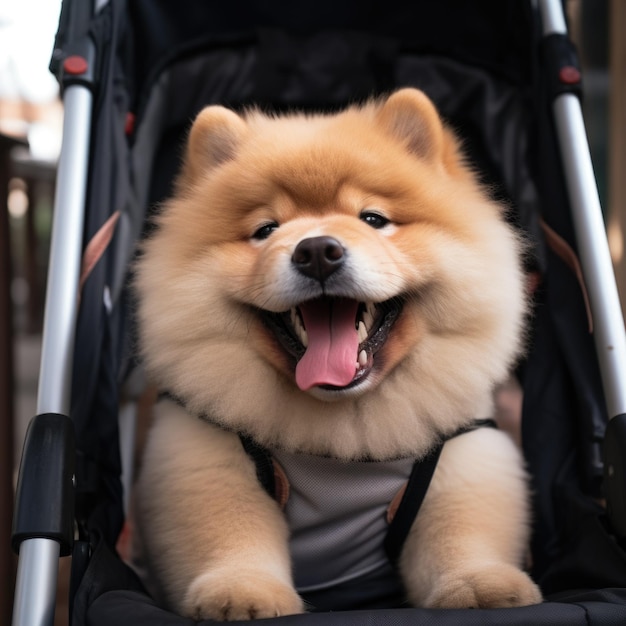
{"points": [[330, 358]]}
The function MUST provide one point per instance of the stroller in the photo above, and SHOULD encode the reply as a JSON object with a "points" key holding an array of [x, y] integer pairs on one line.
{"points": [[134, 73]]}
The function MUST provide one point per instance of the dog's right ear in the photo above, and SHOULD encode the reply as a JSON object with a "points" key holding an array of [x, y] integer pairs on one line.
{"points": [[213, 139]]}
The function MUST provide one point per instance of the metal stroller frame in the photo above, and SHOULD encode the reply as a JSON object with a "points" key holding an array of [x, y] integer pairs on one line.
{"points": [[39, 547]]}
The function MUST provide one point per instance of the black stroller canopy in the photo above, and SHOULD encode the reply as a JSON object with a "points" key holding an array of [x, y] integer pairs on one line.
{"points": [[488, 33], [288, 56], [153, 64]]}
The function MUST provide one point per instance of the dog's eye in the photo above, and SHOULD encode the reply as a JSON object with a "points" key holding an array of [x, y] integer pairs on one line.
{"points": [[265, 231], [375, 220]]}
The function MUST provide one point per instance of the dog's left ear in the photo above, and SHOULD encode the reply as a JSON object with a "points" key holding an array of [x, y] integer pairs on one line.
{"points": [[214, 137], [409, 115]]}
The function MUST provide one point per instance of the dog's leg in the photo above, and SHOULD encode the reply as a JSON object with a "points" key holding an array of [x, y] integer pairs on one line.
{"points": [[468, 542], [213, 538]]}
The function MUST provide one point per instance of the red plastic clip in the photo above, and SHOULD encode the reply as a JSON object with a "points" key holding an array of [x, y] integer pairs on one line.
{"points": [[75, 65], [130, 124], [569, 75]]}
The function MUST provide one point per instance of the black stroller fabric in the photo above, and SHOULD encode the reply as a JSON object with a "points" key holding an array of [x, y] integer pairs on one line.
{"points": [[159, 63]]}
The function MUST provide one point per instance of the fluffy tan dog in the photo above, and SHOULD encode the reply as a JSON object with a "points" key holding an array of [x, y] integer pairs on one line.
{"points": [[338, 289]]}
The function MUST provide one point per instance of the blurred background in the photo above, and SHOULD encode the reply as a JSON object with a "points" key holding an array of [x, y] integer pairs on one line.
{"points": [[31, 118], [30, 135]]}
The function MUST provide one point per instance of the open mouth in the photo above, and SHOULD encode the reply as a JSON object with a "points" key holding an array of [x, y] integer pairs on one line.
{"points": [[333, 340]]}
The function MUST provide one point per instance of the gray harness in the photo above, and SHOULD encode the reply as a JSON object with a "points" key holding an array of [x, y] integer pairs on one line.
{"points": [[339, 514]]}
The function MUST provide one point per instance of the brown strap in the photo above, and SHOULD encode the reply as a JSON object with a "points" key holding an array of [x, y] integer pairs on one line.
{"points": [[533, 280], [565, 252], [392, 509], [96, 248], [281, 485]]}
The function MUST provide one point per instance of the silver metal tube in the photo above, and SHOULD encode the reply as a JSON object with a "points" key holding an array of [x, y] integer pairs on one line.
{"points": [[65, 255], [593, 248], [39, 558], [552, 18], [128, 429], [35, 590]]}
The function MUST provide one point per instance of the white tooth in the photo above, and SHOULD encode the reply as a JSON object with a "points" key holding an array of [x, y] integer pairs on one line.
{"points": [[362, 358], [368, 320], [298, 328], [304, 338], [362, 332]]}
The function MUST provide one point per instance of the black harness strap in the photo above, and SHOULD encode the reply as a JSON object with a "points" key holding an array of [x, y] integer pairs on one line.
{"points": [[263, 462], [415, 491]]}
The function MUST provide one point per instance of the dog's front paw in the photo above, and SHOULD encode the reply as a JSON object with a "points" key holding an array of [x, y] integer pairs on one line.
{"points": [[236, 595], [491, 586]]}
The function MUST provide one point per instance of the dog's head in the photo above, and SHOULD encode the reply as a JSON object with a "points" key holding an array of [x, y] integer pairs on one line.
{"points": [[348, 258]]}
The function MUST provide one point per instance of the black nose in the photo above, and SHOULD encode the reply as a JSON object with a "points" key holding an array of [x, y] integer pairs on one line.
{"points": [[318, 257]]}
